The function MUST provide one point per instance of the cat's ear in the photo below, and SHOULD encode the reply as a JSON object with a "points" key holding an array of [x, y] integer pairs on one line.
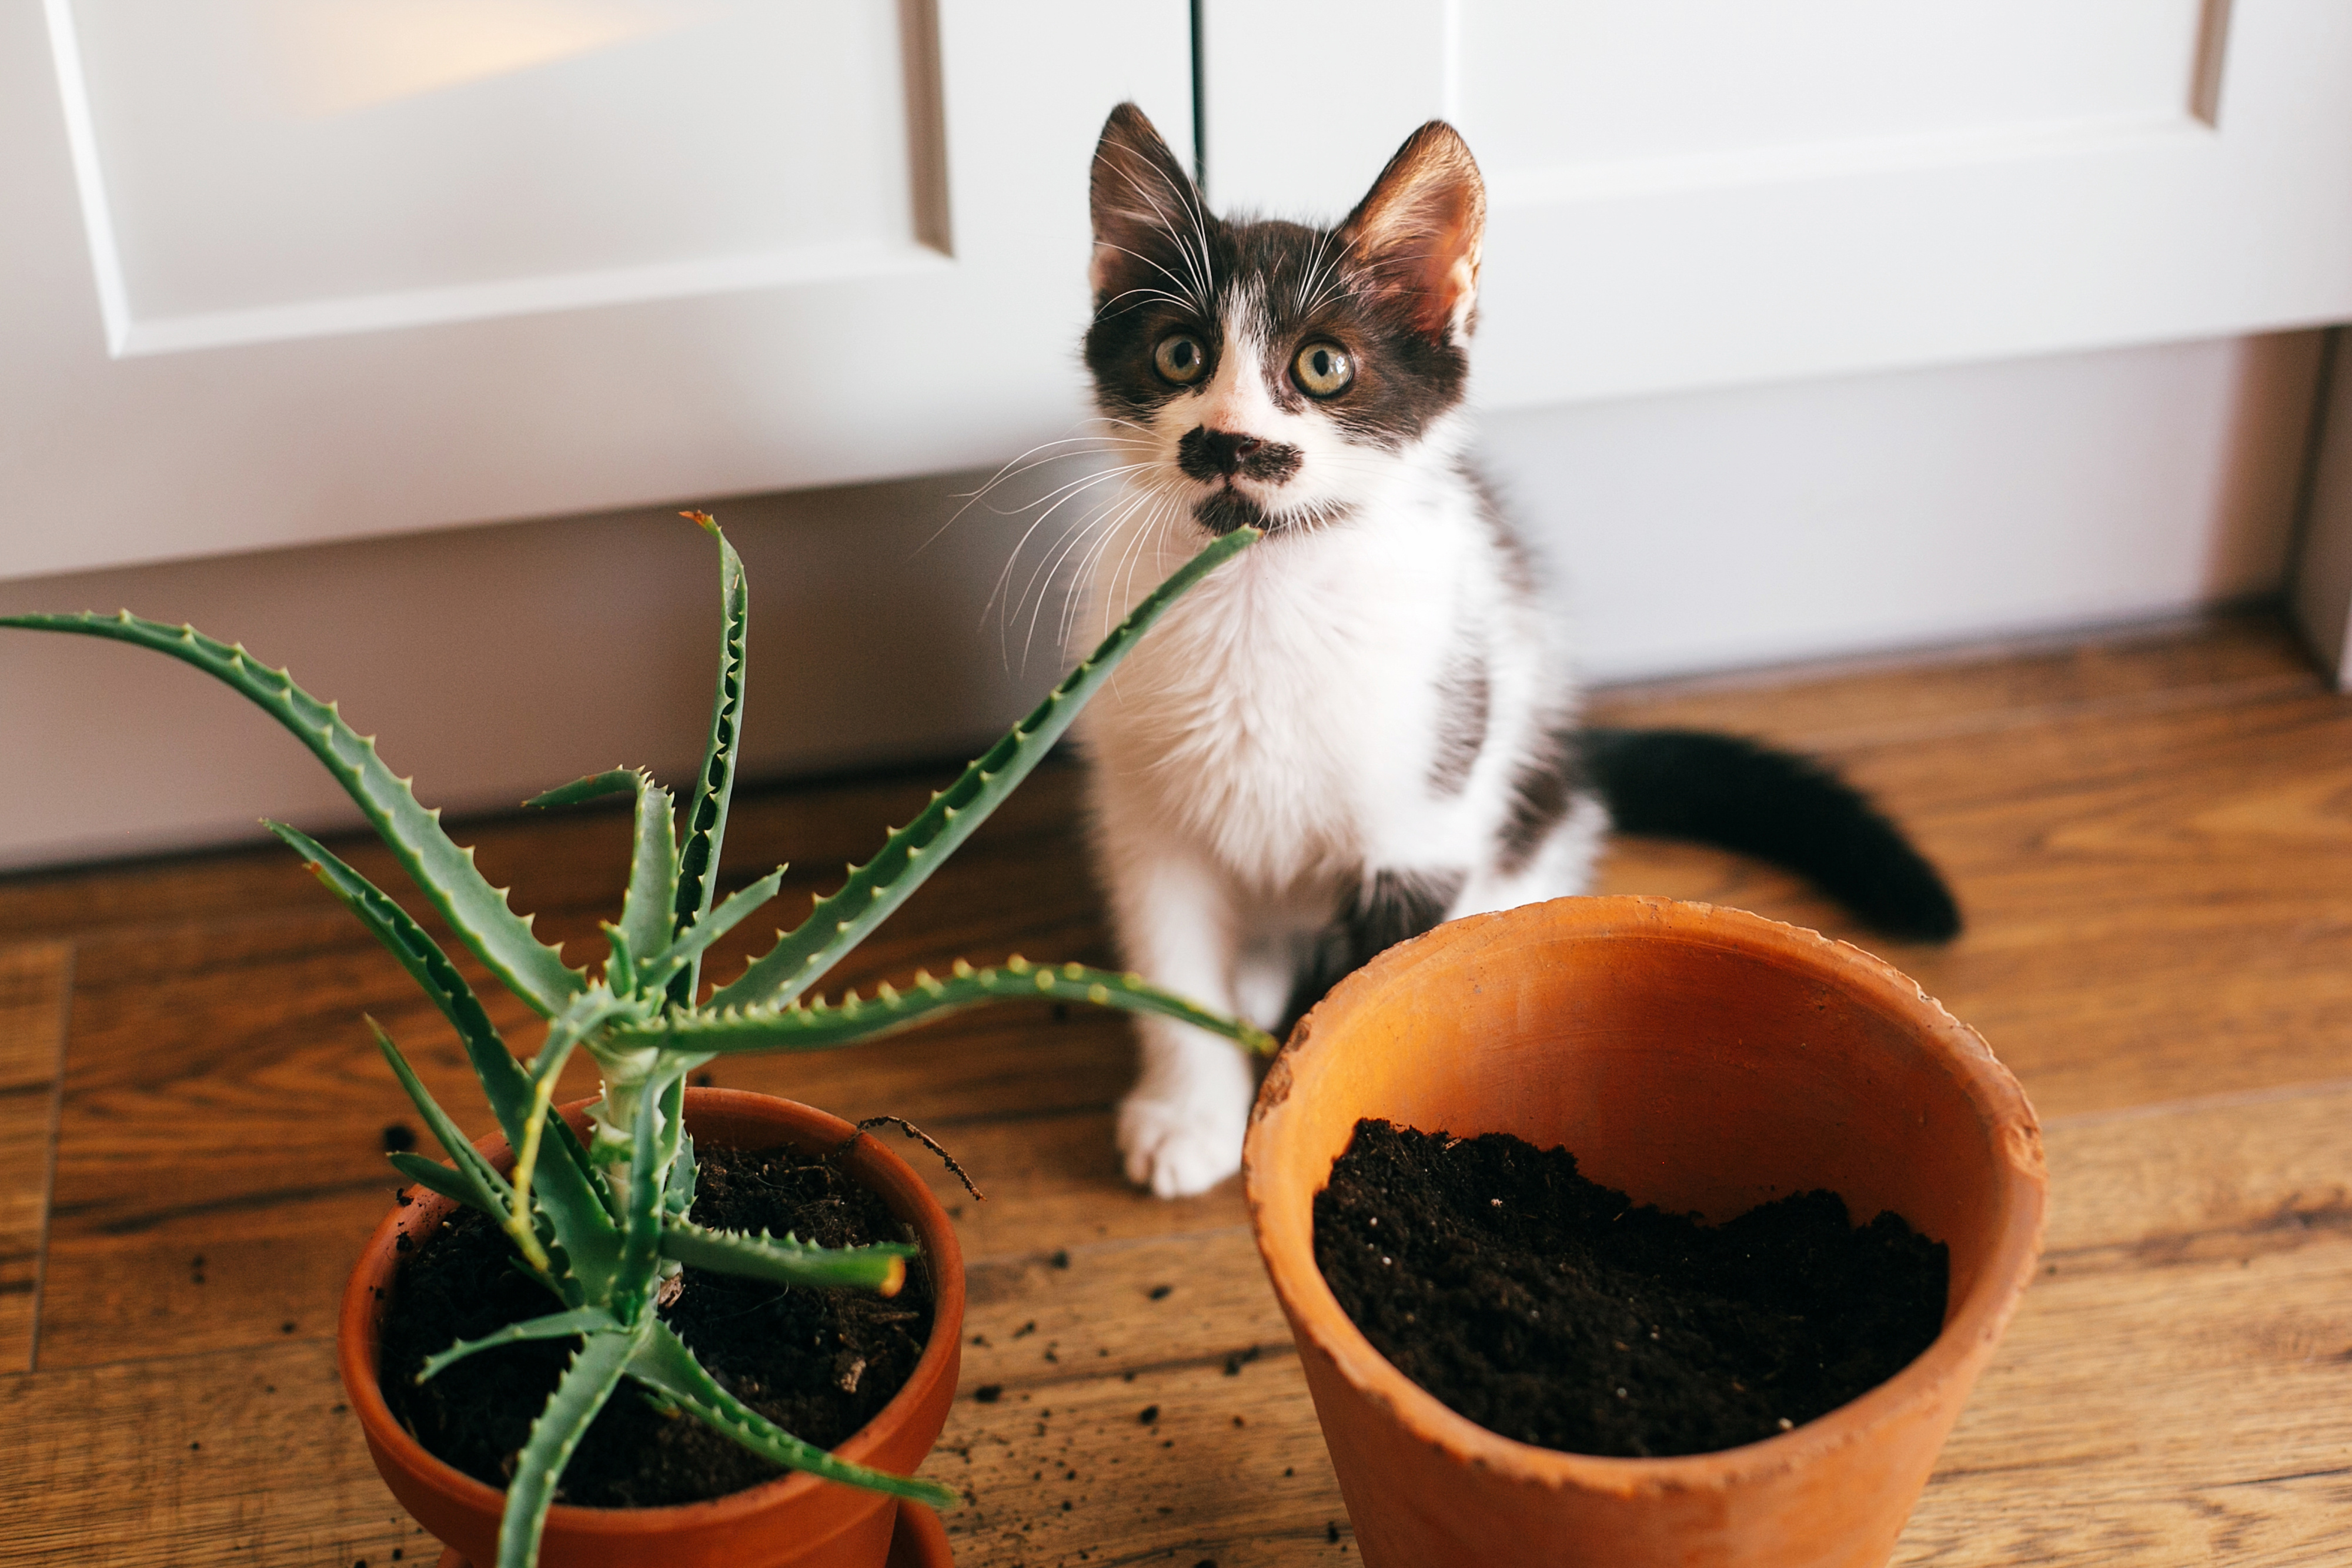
{"points": [[1149, 224], [1416, 236]]}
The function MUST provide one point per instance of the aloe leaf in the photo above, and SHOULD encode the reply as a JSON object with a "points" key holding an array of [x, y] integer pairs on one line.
{"points": [[876, 888], [880, 1268], [566, 1191], [799, 1027], [663, 1363], [504, 1082], [442, 871], [645, 919], [555, 1325], [677, 1193], [652, 1135], [483, 1176], [691, 942], [595, 1371], [455, 1185], [595, 787], [714, 786]]}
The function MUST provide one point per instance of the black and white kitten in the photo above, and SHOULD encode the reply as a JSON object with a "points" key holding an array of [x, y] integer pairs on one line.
{"points": [[1363, 726]]}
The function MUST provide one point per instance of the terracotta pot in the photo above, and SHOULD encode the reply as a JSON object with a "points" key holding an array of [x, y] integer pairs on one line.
{"points": [[795, 1520], [1700, 1059]]}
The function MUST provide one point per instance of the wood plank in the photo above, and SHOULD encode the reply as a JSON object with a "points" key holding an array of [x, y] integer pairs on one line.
{"points": [[2159, 904], [1982, 688], [245, 1456], [34, 983]]}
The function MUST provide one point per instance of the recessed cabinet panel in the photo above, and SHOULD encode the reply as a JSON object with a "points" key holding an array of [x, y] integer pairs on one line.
{"points": [[1550, 85], [273, 168], [1689, 194], [286, 271]]}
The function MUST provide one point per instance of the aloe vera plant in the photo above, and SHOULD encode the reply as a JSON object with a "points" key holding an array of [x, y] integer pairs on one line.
{"points": [[603, 1224]]}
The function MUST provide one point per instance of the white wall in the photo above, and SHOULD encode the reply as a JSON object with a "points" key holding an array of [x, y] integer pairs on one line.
{"points": [[1907, 508], [1689, 532], [498, 662]]}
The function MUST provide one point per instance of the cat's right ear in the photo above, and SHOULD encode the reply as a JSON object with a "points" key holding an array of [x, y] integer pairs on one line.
{"points": [[1416, 236], [1149, 225]]}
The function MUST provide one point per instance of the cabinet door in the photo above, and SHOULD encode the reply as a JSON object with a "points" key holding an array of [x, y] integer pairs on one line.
{"points": [[1699, 192], [290, 270]]}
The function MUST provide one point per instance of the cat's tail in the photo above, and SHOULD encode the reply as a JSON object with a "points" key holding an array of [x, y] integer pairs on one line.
{"points": [[1791, 810]]}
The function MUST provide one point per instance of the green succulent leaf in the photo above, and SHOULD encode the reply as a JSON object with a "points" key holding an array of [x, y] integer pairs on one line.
{"points": [[479, 1176], [453, 1185], [677, 1193], [504, 1082], [786, 1261], [714, 786], [647, 921], [595, 787], [876, 888], [595, 1371], [691, 943], [555, 1325], [799, 1027], [663, 1363], [442, 871], [653, 1136]]}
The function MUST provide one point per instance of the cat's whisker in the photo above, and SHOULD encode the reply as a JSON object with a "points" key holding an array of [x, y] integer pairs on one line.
{"points": [[1027, 462], [1044, 572], [1047, 572], [1012, 611]]}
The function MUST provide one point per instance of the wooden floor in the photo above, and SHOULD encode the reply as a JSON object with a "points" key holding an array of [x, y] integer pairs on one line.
{"points": [[2153, 839]]}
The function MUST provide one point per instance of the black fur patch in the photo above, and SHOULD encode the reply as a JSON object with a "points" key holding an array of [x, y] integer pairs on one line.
{"points": [[1225, 510], [1544, 787], [1465, 696], [1382, 910], [1779, 807], [1209, 455]]}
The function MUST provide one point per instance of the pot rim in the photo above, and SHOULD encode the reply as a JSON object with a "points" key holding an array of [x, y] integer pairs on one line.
{"points": [[1959, 1351], [357, 1340]]}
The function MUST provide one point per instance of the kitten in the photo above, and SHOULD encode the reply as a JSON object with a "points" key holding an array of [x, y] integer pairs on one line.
{"points": [[1363, 726]]}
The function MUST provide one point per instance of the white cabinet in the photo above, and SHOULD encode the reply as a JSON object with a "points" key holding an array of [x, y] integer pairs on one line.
{"points": [[283, 271], [1692, 194]]}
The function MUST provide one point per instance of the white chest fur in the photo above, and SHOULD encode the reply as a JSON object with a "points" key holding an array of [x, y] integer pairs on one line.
{"points": [[1285, 715]]}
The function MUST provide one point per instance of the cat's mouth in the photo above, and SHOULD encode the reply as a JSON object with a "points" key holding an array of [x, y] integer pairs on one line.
{"points": [[1225, 508]]}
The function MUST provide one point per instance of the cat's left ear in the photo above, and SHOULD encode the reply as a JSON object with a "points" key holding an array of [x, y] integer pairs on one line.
{"points": [[1417, 234]]}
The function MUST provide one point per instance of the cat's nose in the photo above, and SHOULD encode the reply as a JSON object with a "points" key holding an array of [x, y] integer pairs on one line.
{"points": [[1217, 451]]}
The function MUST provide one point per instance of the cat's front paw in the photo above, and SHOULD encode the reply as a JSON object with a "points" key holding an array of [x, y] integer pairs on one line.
{"points": [[1182, 1147]]}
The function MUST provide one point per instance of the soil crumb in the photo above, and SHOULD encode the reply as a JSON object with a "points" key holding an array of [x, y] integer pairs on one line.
{"points": [[1549, 1308], [818, 1362]]}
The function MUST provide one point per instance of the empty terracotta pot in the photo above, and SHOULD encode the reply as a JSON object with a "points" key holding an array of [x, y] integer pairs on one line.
{"points": [[1701, 1059], [793, 1522]]}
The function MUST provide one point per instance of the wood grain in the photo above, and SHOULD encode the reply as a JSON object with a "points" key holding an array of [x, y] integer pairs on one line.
{"points": [[34, 981], [2152, 835]]}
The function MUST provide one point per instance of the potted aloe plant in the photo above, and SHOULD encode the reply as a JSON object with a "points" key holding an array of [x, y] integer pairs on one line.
{"points": [[598, 1209]]}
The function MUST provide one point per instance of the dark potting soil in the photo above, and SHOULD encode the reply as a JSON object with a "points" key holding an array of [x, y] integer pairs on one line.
{"points": [[1548, 1308], [818, 1362]]}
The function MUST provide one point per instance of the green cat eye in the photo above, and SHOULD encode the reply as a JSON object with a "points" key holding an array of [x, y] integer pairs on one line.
{"points": [[1179, 358], [1323, 369]]}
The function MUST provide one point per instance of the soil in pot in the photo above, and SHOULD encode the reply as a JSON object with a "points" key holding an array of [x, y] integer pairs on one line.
{"points": [[1552, 1310], [819, 1362]]}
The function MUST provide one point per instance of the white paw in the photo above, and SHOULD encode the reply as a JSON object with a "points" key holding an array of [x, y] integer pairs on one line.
{"points": [[1181, 1147]]}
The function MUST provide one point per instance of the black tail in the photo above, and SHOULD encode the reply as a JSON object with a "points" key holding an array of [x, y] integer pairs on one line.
{"points": [[1794, 813]]}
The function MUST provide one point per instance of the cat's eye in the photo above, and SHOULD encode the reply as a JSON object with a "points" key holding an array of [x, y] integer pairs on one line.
{"points": [[1179, 358], [1323, 369]]}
